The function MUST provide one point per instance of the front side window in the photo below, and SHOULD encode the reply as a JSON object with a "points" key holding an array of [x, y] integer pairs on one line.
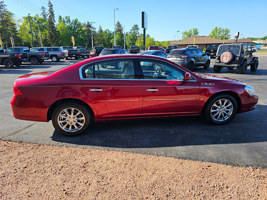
{"points": [[160, 70], [110, 69]]}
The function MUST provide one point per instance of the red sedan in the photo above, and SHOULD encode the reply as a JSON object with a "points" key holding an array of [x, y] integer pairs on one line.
{"points": [[118, 87]]}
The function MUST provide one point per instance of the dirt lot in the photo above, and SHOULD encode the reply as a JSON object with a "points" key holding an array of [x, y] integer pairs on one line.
{"points": [[31, 171]]}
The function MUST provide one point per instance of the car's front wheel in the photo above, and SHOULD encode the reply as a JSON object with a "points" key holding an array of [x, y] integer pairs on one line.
{"points": [[254, 66], [217, 69], [220, 109], [71, 118]]}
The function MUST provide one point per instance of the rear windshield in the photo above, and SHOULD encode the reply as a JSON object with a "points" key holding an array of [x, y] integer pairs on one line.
{"points": [[153, 47], [175, 53], [235, 49], [109, 51], [53, 49]]}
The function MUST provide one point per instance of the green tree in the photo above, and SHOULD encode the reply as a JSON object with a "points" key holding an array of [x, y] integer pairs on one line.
{"points": [[107, 36], [119, 35], [53, 35], [68, 28], [132, 36], [220, 33], [99, 37], [7, 27], [190, 33]]}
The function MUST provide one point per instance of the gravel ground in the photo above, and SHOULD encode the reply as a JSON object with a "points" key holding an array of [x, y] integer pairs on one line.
{"points": [[31, 171]]}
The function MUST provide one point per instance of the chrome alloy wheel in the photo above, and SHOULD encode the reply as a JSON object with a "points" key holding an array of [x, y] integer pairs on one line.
{"points": [[221, 110], [71, 120]]}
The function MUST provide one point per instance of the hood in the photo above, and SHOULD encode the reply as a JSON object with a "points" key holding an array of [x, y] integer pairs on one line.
{"points": [[218, 78]]}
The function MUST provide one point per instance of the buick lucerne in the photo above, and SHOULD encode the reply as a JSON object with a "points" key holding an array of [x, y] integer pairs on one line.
{"points": [[115, 87]]}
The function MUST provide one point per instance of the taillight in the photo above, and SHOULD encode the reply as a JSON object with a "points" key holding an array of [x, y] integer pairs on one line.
{"points": [[16, 91], [79, 51], [43, 54], [184, 57], [19, 56], [61, 53]]}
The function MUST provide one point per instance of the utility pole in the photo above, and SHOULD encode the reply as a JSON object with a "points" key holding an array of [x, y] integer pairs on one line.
{"points": [[92, 34], [11, 35], [31, 29], [115, 27]]}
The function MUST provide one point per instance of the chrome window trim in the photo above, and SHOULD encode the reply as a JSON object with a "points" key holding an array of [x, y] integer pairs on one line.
{"points": [[137, 79]]}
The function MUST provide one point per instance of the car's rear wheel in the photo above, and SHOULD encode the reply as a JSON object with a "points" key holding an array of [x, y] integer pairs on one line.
{"points": [[242, 68], [8, 63], [34, 61], [54, 59], [217, 69], [71, 118], [254, 66], [220, 109], [207, 65]]}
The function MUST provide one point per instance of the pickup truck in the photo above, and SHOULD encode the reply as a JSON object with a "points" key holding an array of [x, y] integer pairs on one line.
{"points": [[9, 60], [84, 53], [72, 53], [27, 56], [54, 53]]}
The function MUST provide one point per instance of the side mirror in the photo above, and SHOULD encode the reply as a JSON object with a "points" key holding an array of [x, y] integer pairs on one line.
{"points": [[187, 76]]}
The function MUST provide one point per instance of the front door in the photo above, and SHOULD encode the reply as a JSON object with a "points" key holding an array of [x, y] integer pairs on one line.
{"points": [[165, 91]]}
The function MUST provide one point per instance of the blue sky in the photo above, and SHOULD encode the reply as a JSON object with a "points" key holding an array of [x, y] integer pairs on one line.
{"points": [[165, 18]]}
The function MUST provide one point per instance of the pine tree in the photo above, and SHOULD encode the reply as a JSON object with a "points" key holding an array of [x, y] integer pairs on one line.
{"points": [[53, 34]]}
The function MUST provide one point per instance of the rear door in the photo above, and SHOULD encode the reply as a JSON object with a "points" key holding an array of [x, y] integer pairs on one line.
{"points": [[111, 89]]}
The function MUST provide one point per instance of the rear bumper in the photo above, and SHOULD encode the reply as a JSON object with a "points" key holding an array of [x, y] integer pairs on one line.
{"points": [[21, 111], [226, 65]]}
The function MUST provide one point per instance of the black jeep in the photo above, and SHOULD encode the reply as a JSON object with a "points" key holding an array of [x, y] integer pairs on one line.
{"points": [[236, 56]]}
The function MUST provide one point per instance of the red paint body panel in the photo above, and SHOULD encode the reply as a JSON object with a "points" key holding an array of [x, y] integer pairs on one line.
{"points": [[121, 99]]}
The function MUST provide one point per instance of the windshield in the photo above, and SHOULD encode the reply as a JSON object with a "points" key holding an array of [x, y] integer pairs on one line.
{"points": [[235, 49]]}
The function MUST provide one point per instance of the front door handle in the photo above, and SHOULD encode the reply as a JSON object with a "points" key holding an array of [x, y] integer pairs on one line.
{"points": [[95, 90], [152, 90]]}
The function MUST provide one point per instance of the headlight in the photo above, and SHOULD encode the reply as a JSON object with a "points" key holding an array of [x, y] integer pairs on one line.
{"points": [[250, 90]]}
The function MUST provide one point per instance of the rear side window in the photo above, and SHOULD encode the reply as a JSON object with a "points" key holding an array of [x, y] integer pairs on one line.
{"points": [[53, 49], [111, 69], [176, 53]]}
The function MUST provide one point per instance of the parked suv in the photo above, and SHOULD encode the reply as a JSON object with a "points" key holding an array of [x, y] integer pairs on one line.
{"points": [[189, 58], [236, 55], [171, 47], [211, 50], [134, 49], [153, 47], [54, 53], [96, 50]]}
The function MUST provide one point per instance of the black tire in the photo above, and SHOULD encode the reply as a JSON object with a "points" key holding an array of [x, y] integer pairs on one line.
{"points": [[34, 61], [254, 66], [8, 63], [67, 58], [190, 66], [207, 65], [54, 58], [241, 69], [217, 69], [70, 119], [18, 64], [76, 58], [215, 114]]}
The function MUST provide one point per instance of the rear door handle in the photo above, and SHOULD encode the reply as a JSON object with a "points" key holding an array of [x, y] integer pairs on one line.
{"points": [[152, 90], [95, 90]]}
